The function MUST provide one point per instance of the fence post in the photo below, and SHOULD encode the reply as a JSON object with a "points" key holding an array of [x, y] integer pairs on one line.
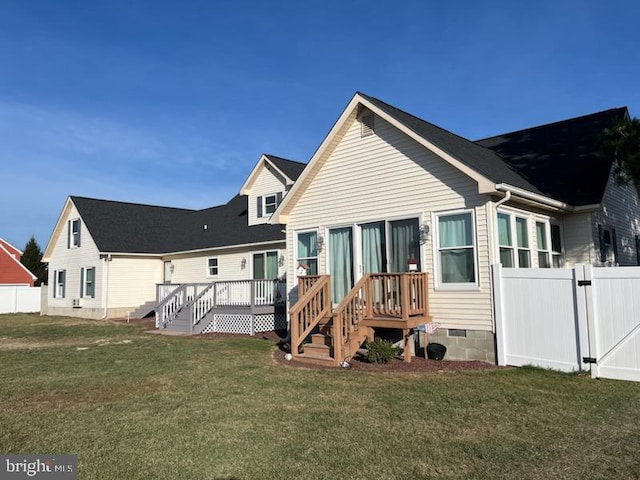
{"points": [[498, 313], [591, 320]]}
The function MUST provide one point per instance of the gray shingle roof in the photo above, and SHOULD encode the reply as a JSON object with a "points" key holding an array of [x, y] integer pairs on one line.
{"points": [[290, 168], [561, 158], [146, 229]]}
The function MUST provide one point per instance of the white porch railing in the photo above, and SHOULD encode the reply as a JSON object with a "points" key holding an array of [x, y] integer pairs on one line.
{"points": [[202, 298]]}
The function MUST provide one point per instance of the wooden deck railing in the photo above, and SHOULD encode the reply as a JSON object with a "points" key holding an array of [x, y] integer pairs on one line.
{"points": [[312, 306], [398, 295], [348, 316], [378, 299]]}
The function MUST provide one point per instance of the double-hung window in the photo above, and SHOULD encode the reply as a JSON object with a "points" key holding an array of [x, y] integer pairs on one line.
{"points": [[212, 266], [608, 245], [557, 257], [307, 252], [543, 245], [267, 204], [88, 282], [513, 239], [456, 248], [59, 280], [73, 233]]}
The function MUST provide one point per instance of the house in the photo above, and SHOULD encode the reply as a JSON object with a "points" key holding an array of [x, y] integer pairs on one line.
{"points": [[387, 190], [115, 259], [12, 272]]}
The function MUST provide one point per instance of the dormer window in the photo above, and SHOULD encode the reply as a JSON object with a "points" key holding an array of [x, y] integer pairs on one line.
{"points": [[267, 204]]}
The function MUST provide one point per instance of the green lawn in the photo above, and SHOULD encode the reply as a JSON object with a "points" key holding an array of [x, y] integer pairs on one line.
{"points": [[133, 405]]}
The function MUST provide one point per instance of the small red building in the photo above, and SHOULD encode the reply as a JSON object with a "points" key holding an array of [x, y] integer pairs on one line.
{"points": [[12, 272]]}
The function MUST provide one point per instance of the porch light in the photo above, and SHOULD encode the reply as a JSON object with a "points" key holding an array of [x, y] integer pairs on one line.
{"points": [[319, 243], [281, 261], [424, 233], [243, 263], [172, 267]]}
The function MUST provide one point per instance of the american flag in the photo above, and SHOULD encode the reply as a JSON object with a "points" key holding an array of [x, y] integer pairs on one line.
{"points": [[429, 328]]}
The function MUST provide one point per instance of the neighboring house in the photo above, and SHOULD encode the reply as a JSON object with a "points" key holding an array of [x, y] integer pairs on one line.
{"points": [[113, 259], [386, 189], [12, 272]]}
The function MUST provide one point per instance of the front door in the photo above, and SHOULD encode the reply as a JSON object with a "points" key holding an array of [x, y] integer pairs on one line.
{"points": [[167, 272]]}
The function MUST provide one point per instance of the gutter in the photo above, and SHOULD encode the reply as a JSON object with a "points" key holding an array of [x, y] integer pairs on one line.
{"points": [[543, 200], [107, 260]]}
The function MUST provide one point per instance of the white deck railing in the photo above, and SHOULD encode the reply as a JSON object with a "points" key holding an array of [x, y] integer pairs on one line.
{"points": [[201, 298]]}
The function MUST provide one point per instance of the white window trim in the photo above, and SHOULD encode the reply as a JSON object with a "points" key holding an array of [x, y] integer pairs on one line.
{"points": [[74, 237], [438, 283], [83, 287], [217, 267], [531, 219], [296, 258]]}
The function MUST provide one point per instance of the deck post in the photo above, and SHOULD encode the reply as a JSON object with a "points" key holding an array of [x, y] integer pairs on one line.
{"points": [[407, 345], [405, 296], [338, 342]]}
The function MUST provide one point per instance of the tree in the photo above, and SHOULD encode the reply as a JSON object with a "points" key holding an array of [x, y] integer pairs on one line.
{"points": [[622, 143], [32, 259]]}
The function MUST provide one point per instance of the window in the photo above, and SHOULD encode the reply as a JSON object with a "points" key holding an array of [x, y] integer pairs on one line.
{"points": [[637, 250], [456, 248], [58, 283], [73, 233], [556, 247], [267, 204], [512, 254], [522, 235], [307, 250], [212, 267], [543, 247], [88, 282], [608, 245], [504, 239], [265, 266]]}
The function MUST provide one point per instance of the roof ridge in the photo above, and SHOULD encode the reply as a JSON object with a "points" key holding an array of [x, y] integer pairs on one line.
{"points": [[79, 197], [422, 120], [550, 124]]}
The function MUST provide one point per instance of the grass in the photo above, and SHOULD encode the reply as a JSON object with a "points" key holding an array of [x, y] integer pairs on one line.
{"points": [[137, 406]]}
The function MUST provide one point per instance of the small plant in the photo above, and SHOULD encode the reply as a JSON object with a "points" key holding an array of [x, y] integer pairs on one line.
{"points": [[381, 351]]}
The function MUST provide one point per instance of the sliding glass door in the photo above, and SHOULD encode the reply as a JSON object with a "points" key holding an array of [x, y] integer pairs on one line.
{"points": [[405, 244], [340, 262], [374, 248]]}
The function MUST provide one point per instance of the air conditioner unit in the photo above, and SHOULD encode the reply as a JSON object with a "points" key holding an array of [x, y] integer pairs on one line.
{"points": [[77, 303]]}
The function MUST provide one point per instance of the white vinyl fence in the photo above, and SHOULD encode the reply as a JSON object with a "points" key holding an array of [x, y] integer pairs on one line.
{"points": [[582, 318], [19, 299]]}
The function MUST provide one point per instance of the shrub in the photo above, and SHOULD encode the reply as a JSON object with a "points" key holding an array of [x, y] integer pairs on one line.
{"points": [[381, 351]]}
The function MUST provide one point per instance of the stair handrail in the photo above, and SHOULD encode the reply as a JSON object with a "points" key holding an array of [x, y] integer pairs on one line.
{"points": [[348, 316], [311, 307], [203, 303], [167, 310]]}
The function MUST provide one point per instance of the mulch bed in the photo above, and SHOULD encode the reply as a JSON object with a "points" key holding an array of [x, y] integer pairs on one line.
{"points": [[418, 364]]}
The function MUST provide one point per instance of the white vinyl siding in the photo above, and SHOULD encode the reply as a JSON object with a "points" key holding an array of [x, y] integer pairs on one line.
{"points": [[388, 176], [620, 212], [233, 264], [578, 239], [268, 183]]}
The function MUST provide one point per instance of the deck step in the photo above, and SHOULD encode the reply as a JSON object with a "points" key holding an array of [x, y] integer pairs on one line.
{"points": [[316, 359], [318, 350], [320, 339]]}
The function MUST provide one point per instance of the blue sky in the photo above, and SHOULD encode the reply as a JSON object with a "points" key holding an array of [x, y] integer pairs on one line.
{"points": [[172, 103]]}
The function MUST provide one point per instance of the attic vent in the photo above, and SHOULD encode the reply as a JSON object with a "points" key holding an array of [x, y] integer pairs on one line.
{"points": [[366, 124]]}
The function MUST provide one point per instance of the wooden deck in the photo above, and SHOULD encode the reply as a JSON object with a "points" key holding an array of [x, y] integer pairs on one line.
{"points": [[323, 334]]}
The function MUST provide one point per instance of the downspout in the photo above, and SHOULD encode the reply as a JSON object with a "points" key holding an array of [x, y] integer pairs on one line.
{"points": [[496, 235], [107, 261]]}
